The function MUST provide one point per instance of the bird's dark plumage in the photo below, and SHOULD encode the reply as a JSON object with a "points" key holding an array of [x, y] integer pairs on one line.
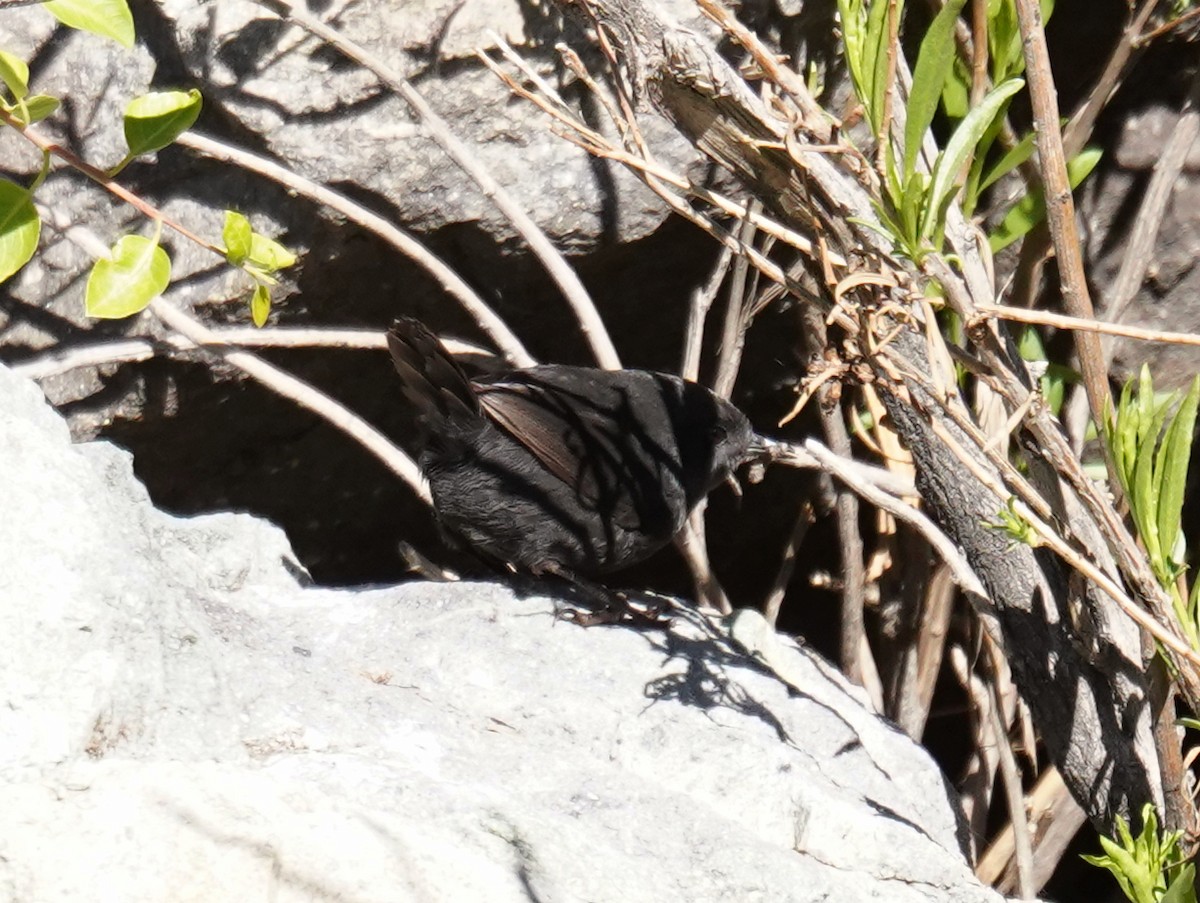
{"points": [[567, 470]]}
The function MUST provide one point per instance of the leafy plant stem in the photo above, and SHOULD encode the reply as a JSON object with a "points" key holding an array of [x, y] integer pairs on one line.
{"points": [[101, 178]]}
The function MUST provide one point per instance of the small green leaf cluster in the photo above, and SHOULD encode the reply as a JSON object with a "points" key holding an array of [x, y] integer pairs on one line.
{"points": [[137, 269], [14, 73], [1150, 440], [1010, 521], [1150, 868], [913, 210], [258, 256]]}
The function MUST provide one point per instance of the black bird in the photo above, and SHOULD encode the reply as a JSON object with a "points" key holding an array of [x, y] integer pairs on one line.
{"points": [[568, 471]]}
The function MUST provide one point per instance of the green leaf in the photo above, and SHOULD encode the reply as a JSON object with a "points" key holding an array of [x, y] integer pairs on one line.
{"points": [[958, 149], [19, 228], [971, 188], [39, 106], [137, 272], [107, 18], [15, 75], [1021, 152], [237, 237], [154, 120], [956, 93], [269, 254], [1172, 467], [1004, 41], [910, 209], [876, 57], [260, 305], [1031, 209], [933, 67], [850, 16], [1144, 497], [1183, 888]]}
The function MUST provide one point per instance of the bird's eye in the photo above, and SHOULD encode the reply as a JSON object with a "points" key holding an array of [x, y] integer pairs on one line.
{"points": [[717, 433]]}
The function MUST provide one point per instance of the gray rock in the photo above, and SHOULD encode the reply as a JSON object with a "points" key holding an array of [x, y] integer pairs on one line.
{"points": [[184, 719]]}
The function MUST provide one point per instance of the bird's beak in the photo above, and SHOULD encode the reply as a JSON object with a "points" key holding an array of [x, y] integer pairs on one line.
{"points": [[762, 450]]}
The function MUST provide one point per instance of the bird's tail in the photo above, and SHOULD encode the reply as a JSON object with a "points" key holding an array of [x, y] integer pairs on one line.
{"points": [[431, 379]]}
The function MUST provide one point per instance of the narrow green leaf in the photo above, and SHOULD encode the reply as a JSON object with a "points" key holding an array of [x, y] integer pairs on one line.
{"points": [[1024, 215], [137, 272], [154, 120], [19, 228], [1122, 865], [1020, 152], [958, 149], [933, 68], [107, 18], [260, 305], [1145, 403], [1183, 888], [1004, 42], [1144, 501], [1172, 467], [15, 75], [1081, 165], [237, 237], [39, 106], [910, 208], [1128, 432], [851, 18], [269, 254], [971, 189], [1031, 209], [956, 93]]}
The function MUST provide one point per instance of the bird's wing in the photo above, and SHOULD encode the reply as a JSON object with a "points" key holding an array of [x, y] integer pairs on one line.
{"points": [[582, 444], [533, 418]]}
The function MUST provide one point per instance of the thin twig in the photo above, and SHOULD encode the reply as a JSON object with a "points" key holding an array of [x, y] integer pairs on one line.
{"points": [[554, 262], [964, 575], [702, 299], [1010, 777], [1062, 321], [61, 359], [817, 120], [1060, 208], [806, 516], [1083, 121], [1056, 818], [922, 664], [736, 322], [1170, 25], [496, 329], [300, 392], [650, 170], [105, 181], [978, 780], [692, 543], [856, 658]]}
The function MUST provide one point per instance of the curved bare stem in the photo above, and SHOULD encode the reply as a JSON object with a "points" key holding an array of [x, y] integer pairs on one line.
{"points": [[556, 265], [508, 343]]}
